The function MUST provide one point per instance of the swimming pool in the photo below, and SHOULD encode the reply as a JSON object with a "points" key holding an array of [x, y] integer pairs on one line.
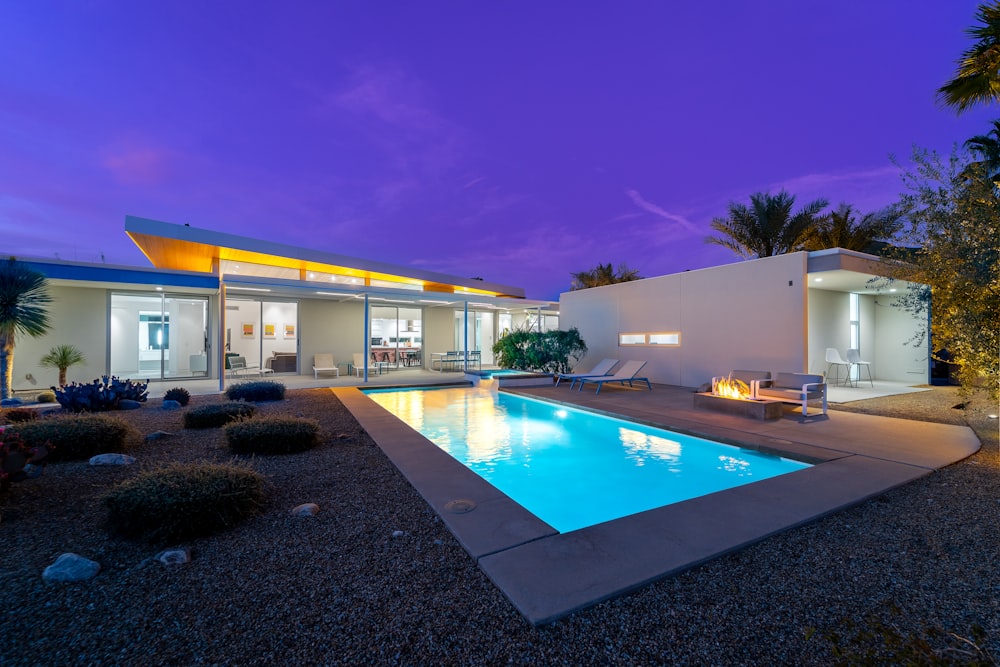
{"points": [[569, 467]]}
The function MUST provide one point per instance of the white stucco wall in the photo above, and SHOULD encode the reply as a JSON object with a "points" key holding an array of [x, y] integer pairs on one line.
{"points": [[898, 359], [829, 326], [746, 315], [327, 327], [78, 317]]}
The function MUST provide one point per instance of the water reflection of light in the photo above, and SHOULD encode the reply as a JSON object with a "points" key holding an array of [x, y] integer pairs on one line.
{"points": [[640, 447], [561, 414], [732, 464]]}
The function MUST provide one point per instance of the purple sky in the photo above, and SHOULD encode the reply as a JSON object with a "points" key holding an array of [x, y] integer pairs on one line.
{"points": [[515, 141]]}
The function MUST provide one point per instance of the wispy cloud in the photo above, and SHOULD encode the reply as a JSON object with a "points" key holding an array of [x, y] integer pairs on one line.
{"points": [[868, 188], [388, 94], [659, 211], [136, 161]]}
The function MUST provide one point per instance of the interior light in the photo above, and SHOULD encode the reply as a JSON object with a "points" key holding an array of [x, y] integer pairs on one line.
{"points": [[249, 289], [334, 294], [893, 289], [312, 275], [819, 280]]}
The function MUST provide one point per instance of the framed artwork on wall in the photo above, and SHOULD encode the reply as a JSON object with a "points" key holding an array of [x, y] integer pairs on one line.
{"points": [[248, 329], [269, 328], [289, 331]]}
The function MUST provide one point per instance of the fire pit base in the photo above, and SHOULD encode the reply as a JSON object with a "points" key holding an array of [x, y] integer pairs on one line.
{"points": [[755, 409]]}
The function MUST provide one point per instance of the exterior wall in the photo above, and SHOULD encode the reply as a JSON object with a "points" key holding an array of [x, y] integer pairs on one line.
{"points": [[829, 326], [898, 358], [438, 332], [78, 316], [747, 315], [330, 327]]}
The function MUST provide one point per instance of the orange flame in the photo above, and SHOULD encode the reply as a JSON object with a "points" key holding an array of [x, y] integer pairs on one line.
{"points": [[731, 388]]}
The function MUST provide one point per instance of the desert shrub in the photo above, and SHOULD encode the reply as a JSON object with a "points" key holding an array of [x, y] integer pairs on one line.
{"points": [[181, 501], [15, 456], [179, 394], [17, 415], [100, 395], [77, 437], [258, 390], [46, 397], [212, 416], [272, 435]]}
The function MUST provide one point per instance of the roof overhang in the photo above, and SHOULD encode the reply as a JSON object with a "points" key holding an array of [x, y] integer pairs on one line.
{"points": [[185, 248], [840, 270]]}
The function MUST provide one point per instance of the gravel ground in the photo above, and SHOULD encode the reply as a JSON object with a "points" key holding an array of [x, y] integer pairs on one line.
{"points": [[338, 588]]}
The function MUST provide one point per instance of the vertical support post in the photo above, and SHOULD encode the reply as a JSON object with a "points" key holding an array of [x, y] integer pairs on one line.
{"points": [[465, 345], [368, 340], [220, 356], [539, 311]]}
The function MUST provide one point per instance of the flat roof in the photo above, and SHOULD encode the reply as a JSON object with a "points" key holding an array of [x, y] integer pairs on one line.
{"points": [[186, 248]]}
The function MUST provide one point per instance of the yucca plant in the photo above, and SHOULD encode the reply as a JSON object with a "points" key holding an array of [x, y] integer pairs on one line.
{"points": [[62, 357]]}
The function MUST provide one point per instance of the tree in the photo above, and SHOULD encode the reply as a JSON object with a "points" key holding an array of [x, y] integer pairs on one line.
{"points": [[977, 80], [767, 227], [62, 357], [987, 148], [842, 229], [603, 274], [954, 217], [24, 296]]}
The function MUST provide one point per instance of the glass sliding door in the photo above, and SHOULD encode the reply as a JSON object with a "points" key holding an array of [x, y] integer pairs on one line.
{"points": [[158, 336], [264, 333], [397, 336]]}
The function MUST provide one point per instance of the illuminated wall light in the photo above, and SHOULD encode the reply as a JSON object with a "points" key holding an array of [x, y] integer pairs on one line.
{"points": [[819, 280]]}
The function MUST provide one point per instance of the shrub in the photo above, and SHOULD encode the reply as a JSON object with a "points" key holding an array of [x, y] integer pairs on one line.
{"points": [[15, 456], [548, 351], [100, 395], [77, 437], [181, 501], [272, 435], [179, 394], [260, 390], [46, 397], [212, 416], [18, 415]]}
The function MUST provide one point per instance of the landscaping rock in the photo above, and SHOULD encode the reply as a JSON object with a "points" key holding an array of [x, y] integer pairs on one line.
{"points": [[158, 435], [174, 556], [305, 509], [112, 460], [12, 402], [398, 533], [171, 405], [129, 404], [71, 567]]}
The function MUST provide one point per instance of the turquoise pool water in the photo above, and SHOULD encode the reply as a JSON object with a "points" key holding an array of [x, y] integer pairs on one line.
{"points": [[569, 467]]}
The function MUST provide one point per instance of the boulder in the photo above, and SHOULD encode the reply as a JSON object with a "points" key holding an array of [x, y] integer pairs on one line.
{"points": [[71, 567], [129, 404], [112, 460], [305, 509], [171, 405], [158, 435]]}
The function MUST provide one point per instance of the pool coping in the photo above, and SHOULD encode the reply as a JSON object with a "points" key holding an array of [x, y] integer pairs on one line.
{"points": [[547, 575]]}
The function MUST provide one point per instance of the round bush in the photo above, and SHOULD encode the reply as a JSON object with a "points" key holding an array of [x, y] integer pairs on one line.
{"points": [[179, 394], [18, 415], [213, 416], [258, 390], [46, 397], [182, 501], [78, 437], [272, 435]]}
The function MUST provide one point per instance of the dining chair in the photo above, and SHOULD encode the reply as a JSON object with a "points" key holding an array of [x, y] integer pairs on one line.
{"points": [[854, 357], [835, 361]]}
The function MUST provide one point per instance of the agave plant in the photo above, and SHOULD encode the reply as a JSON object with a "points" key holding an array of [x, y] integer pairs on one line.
{"points": [[62, 357]]}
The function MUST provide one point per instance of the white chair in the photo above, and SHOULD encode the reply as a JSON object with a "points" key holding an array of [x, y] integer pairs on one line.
{"points": [[854, 357], [324, 363], [834, 360]]}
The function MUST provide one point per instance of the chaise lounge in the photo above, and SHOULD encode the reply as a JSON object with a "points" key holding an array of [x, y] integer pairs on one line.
{"points": [[625, 375], [324, 363], [601, 369]]}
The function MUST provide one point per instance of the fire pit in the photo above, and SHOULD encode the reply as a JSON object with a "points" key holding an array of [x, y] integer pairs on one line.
{"points": [[732, 396]]}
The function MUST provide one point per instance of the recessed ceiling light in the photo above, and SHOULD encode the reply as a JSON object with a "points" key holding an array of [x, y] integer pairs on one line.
{"points": [[819, 280], [893, 289]]}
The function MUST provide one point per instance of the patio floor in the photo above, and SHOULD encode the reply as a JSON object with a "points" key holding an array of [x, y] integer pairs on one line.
{"points": [[547, 575]]}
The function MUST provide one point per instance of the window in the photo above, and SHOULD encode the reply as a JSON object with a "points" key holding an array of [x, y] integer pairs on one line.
{"points": [[662, 338]]}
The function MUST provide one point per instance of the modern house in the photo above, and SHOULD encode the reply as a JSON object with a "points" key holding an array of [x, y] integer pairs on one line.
{"points": [[209, 295], [776, 313]]}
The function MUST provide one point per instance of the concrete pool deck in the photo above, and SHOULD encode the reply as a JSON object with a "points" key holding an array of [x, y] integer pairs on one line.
{"points": [[547, 575]]}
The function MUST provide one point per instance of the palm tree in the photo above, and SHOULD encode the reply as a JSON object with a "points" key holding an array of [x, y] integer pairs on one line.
{"points": [[767, 227], [62, 357], [986, 146], [977, 80], [842, 229], [24, 296], [603, 274]]}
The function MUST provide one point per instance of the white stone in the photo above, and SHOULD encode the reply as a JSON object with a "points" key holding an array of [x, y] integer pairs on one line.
{"points": [[398, 533], [71, 567], [174, 556], [112, 460], [171, 405], [305, 509]]}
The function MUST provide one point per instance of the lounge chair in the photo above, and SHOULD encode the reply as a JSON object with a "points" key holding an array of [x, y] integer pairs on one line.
{"points": [[601, 369], [323, 363], [626, 375]]}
